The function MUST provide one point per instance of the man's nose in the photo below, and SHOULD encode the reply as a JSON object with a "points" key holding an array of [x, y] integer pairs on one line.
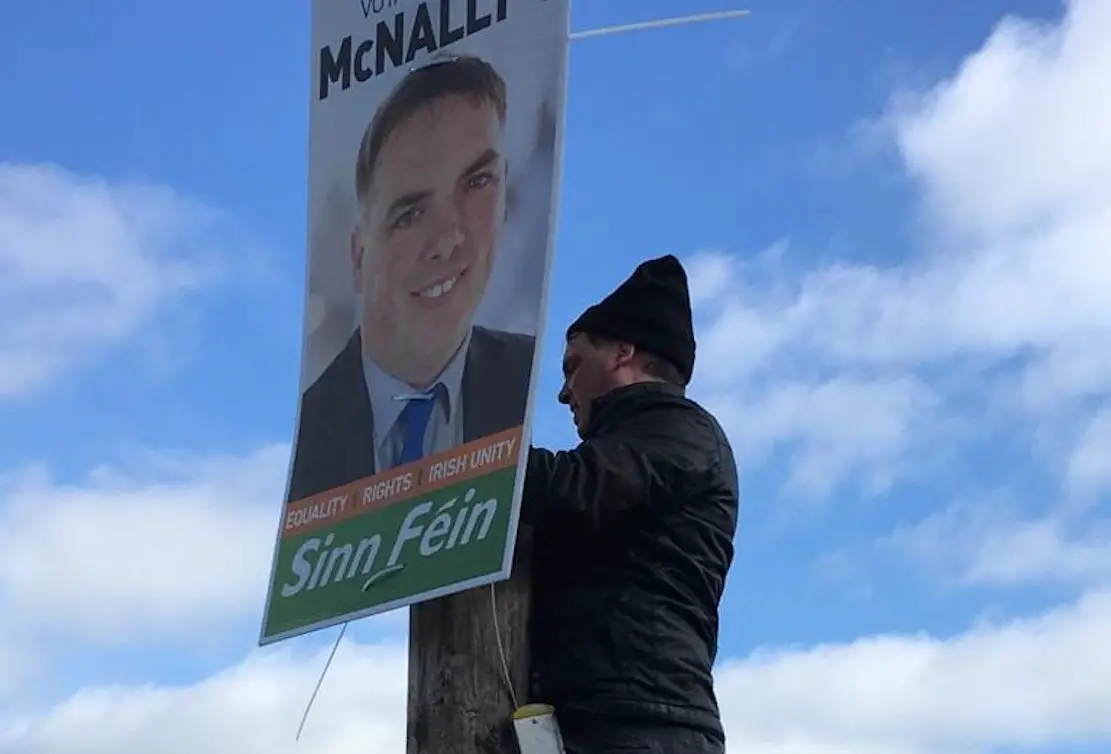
{"points": [[449, 234], [565, 395]]}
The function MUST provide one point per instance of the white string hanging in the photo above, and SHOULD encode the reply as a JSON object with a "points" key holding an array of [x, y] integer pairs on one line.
{"points": [[320, 682]]}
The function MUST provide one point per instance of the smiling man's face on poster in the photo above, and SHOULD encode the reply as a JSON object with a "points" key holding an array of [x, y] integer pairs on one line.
{"points": [[430, 217]]}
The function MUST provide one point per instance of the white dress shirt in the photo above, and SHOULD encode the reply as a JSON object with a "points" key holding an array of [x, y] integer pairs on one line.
{"points": [[388, 398]]}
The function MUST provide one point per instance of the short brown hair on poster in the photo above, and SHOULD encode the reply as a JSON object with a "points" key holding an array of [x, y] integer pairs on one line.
{"points": [[457, 75]]}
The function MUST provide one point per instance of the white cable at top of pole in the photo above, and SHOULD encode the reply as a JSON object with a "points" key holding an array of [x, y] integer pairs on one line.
{"points": [[679, 21]]}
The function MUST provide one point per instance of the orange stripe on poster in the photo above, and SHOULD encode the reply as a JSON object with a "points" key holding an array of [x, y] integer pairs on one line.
{"points": [[453, 466]]}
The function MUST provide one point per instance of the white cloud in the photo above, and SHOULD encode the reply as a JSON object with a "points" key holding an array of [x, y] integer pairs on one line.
{"points": [[123, 556], [85, 263], [986, 543], [1089, 466], [1017, 139], [165, 551], [1012, 159], [835, 429], [1028, 682], [18, 662], [254, 706]]}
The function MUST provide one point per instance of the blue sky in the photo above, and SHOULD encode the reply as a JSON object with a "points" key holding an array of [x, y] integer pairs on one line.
{"points": [[896, 221]]}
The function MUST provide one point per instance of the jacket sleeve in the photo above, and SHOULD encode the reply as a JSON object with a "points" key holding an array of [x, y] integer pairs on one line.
{"points": [[659, 458]]}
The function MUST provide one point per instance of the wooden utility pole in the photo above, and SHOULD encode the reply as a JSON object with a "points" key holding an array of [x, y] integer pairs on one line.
{"points": [[459, 699]]}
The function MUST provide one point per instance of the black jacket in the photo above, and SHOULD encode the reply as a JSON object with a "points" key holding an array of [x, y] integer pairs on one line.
{"points": [[633, 539]]}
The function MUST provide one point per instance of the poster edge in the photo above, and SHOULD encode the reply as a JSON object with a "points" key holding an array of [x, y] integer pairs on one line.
{"points": [[307, 260], [545, 294], [474, 582]]}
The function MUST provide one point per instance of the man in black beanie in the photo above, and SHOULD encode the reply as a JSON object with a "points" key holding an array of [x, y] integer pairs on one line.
{"points": [[633, 531]]}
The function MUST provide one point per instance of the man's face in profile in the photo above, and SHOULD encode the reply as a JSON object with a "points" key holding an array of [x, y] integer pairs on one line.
{"points": [[590, 370], [430, 223]]}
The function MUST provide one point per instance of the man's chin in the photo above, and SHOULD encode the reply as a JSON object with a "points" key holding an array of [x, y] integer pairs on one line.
{"points": [[439, 339], [437, 324], [579, 427]]}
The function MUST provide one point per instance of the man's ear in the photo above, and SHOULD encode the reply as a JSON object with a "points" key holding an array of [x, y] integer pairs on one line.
{"points": [[624, 353]]}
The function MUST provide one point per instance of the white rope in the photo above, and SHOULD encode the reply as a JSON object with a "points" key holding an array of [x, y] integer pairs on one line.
{"points": [[501, 648], [664, 22], [319, 683], [507, 676]]}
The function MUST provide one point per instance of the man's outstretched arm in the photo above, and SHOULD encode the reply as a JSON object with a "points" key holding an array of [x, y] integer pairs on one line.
{"points": [[657, 458]]}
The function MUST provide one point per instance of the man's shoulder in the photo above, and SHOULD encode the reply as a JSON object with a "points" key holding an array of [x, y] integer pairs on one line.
{"points": [[509, 350], [706, 431], [700, 417], [339, 372], [699, 413], [658, 402], [676, 423], [485, 337]]}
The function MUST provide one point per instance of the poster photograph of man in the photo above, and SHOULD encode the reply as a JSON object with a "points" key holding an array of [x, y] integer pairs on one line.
{"points": [[430, 271]]}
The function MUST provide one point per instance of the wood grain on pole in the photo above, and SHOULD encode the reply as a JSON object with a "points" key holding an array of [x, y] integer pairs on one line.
{"points": [[459, 701]]}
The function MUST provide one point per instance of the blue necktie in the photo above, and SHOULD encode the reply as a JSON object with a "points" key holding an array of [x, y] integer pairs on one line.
{"points": [[414, 425]]}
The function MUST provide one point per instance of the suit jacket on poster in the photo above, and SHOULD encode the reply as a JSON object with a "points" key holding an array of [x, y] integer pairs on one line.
{"points": [[335, 436]]}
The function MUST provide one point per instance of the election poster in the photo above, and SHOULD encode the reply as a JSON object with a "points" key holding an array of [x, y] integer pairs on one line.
{"points": [[434, 153]]}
